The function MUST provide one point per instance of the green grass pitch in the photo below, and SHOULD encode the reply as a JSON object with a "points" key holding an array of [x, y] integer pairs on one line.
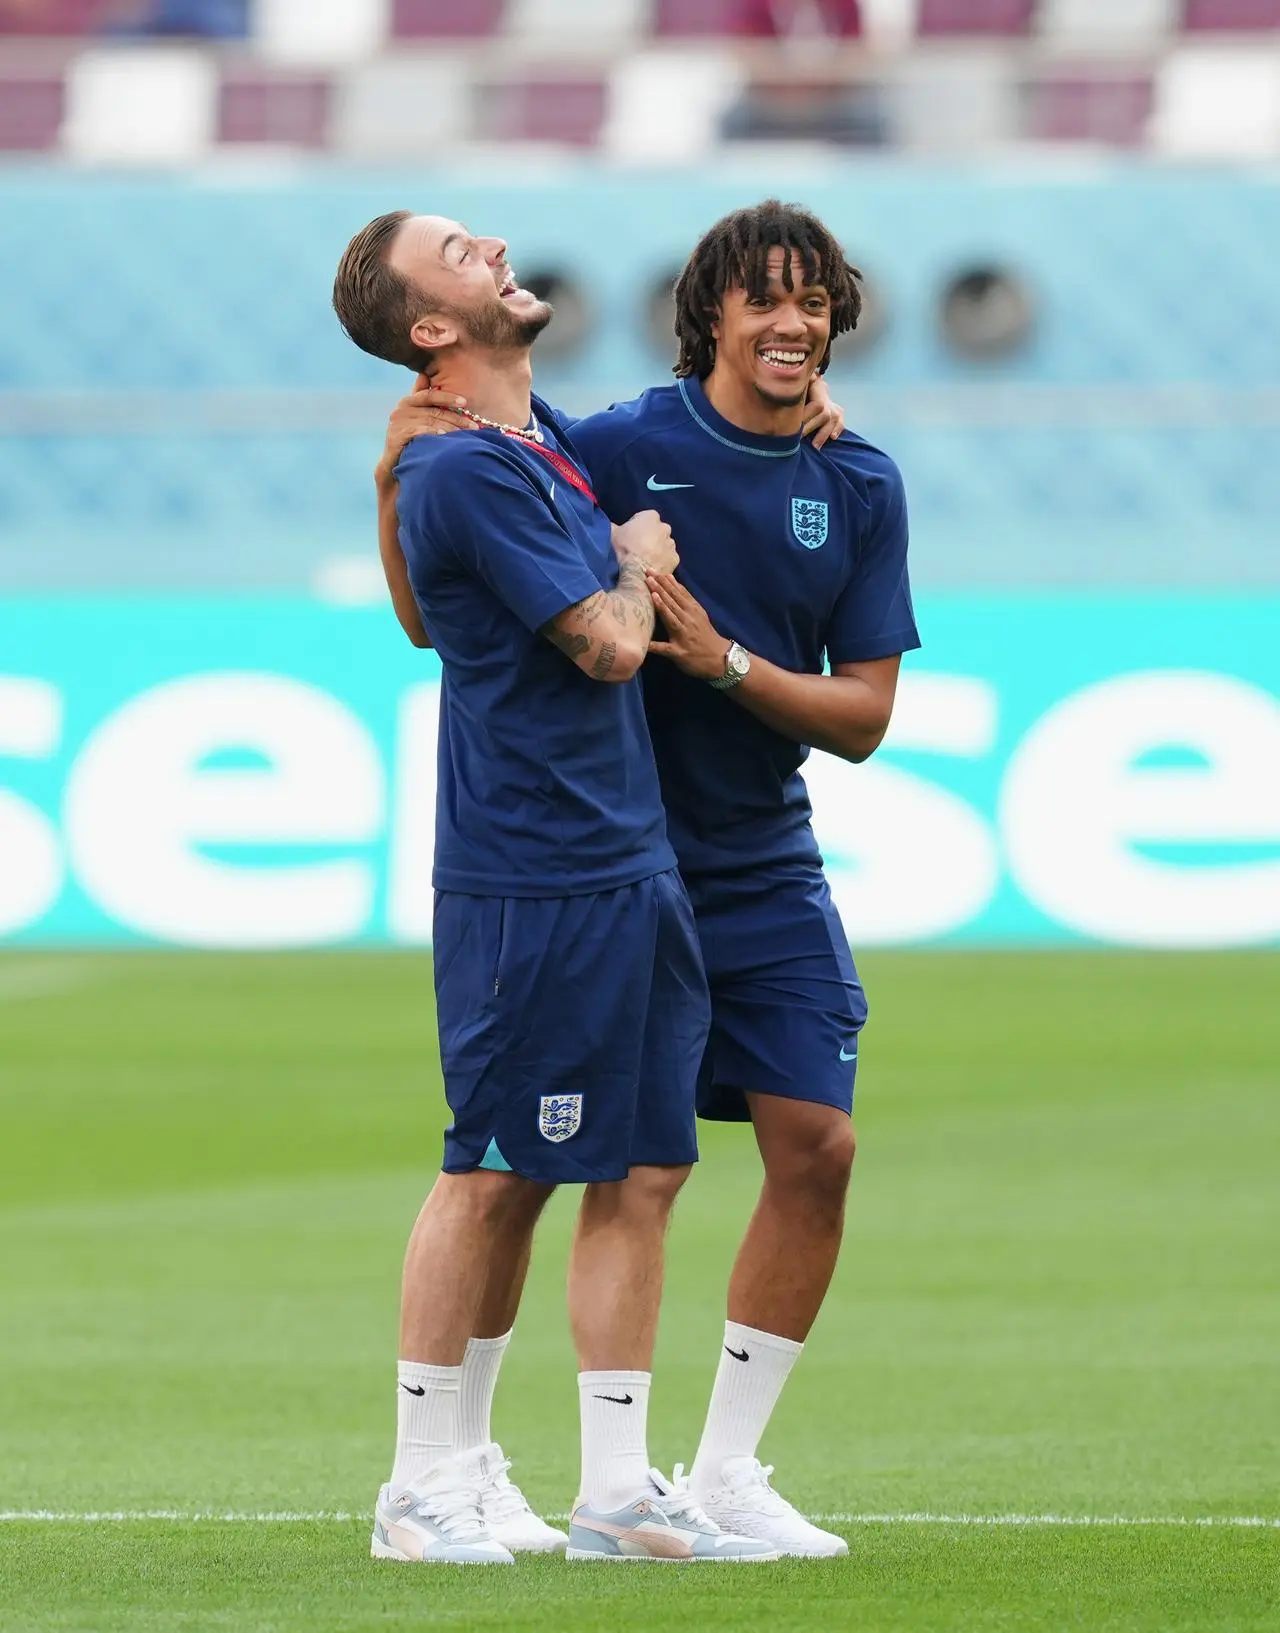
{"points": [[1060, 1296]]}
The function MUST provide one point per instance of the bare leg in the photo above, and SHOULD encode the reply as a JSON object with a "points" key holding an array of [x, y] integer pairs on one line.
{"points": [[474, 1229], [510, 1266], [615, 1287], [615, 1269], [789, 1253], [779, 1281]]}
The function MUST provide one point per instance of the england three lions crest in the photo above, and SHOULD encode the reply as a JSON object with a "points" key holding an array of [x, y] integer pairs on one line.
{"points": [[559, 1116], [809, 522]]}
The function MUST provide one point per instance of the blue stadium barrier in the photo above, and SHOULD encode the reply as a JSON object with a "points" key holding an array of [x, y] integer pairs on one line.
{"points": [[178, 408]]}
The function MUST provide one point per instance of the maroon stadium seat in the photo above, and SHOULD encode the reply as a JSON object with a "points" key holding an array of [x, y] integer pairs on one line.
{"points": [[1078, 107], [695, 17], [760, 19], [30, 113], [1258, 15], [974, 16], [445, 19], [544, 110], [258, 107], [50, 17]]}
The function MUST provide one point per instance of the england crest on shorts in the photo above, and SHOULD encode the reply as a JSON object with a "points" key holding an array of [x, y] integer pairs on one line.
{"points": [[559, 1116], [809, 522]]}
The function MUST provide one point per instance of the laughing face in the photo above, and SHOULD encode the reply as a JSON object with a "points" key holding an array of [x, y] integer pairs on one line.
{"points": [[774, 345], [469, 292]]}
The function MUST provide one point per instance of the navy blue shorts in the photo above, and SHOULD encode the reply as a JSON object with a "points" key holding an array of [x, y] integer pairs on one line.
{"points": [[786, 1002], [571, 1030]]}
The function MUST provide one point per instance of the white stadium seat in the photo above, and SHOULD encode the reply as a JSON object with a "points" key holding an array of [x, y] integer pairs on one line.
{"points": [[577, 22], [1122, 21], [665, 106], [141, 105], [402, 107], [1218, 103], [320, 33]]}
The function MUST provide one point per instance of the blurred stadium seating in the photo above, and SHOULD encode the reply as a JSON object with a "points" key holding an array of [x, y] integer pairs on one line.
{"points": [[1197, 76], [1071, 343]]}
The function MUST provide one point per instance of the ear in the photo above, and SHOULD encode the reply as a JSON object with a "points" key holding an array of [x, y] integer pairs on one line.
{"points": [[432, 332]]}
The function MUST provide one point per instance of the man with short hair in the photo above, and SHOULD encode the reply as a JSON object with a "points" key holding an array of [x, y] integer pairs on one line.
{"points": [[792, 559], [572, 1005]]}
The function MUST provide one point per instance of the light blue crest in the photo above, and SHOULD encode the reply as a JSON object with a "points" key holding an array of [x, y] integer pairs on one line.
{"points": [[809, 522]]}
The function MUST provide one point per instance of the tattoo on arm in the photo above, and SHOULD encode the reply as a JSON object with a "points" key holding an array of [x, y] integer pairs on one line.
{"points": [[629, 602], [570, 643], [632, 595]]}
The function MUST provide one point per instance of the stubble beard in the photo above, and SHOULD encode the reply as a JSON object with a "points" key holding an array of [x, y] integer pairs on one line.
{"points": [[495, 327]]}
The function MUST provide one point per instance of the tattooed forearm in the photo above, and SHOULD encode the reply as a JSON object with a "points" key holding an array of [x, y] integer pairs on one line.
{"points": [[613, 651], [632, 598], [570, 643]]}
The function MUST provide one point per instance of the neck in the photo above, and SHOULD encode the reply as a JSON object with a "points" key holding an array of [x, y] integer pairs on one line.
{"points": [[495, 384], [742, 405]]}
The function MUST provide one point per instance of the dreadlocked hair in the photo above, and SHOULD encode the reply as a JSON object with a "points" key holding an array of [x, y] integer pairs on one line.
{"points": [[734, 254]]}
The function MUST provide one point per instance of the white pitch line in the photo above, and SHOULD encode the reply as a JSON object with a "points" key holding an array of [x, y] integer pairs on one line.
{"points": [[335, 1516]]}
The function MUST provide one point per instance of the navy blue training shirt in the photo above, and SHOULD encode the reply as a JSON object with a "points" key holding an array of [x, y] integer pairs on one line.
{"points": [[546, 783], [800, 555]]}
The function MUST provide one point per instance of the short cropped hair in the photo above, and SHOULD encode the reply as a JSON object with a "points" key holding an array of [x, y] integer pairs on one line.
{"points": [[376, 305], [734, 254]]}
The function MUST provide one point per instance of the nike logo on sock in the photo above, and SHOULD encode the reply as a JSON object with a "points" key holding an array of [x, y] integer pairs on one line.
{"points": [[618, 1400], [739, 1354], [410, 1390]]}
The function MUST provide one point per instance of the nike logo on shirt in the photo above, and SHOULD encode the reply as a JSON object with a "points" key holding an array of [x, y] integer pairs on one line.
{"points": [[618, 1400], [739, 1354], [654, 486], [843, 1056]]}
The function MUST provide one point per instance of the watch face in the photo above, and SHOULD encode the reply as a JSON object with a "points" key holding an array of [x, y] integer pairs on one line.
{"points": [[739, 661]]}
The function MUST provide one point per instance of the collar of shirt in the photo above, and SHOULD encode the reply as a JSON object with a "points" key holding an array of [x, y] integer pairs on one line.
{"points": [[732, 436]]}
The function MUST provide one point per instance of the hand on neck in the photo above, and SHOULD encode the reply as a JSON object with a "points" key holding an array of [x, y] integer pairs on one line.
{"points": [[495, 384], [742, 405]]}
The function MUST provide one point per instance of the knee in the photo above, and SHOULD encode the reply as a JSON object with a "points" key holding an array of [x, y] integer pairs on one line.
{"points": [[497, 1199], [647, 1193], [818, 1168]]}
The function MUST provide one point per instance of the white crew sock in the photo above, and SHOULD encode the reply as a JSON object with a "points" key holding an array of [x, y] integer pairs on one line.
{"points": [[479, 1379], [615, 1452], [426, 1418], [753, 1368]]}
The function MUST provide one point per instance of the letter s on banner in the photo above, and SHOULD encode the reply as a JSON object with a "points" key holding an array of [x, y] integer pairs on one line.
{"points": [[906, 859], [30, 861], [1075, 806], [140, 805]]}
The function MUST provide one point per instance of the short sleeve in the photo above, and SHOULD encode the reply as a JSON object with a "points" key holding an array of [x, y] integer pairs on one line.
{"points": [[873, 616], [499, 526]]}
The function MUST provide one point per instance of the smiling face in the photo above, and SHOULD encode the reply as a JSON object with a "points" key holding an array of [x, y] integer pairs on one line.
{"points": [[466, 294], [773, 345]]}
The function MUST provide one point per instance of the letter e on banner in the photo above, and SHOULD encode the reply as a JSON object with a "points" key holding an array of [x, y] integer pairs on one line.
{"points": [[144, 811], [1079, 809]]}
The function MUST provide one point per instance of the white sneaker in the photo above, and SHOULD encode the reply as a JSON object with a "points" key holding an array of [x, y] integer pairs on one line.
{"points": [[437, 1521], [663, 1523], [746, 1505], [506, 1512]]}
